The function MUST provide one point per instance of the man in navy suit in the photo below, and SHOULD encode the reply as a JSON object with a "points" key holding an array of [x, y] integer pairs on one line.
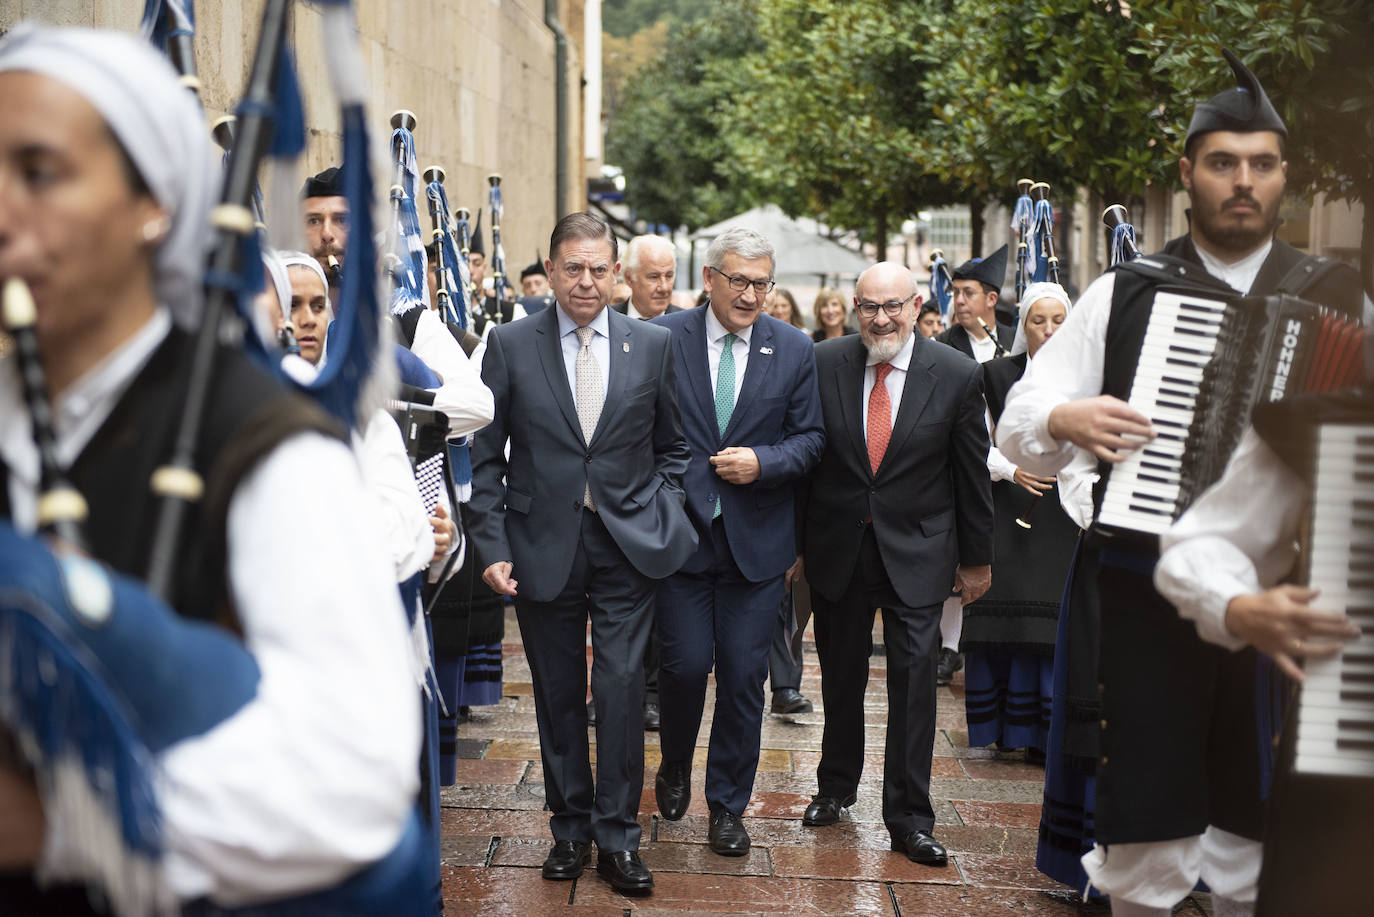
{"points": [[898, 511], [752, 416], [580, 520]]}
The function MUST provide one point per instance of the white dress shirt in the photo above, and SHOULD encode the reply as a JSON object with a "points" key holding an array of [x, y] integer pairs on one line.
{"points": [[983, 350], [895, 381], [600, 346], [251, 808], [1070, 367], [715, 346], [1229, 543], [634, 313]]}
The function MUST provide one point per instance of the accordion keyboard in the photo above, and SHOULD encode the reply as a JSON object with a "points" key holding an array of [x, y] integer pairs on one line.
{"points": [[1335, 717], [1142, 493]]}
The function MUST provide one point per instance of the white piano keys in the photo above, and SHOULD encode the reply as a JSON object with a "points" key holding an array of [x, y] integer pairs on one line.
{"points": [[1180, 339], [1335, 716]]}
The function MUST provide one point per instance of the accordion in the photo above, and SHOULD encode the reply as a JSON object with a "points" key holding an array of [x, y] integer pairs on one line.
{"points": [[1316, 847], [1206, 362], [425, 432]]}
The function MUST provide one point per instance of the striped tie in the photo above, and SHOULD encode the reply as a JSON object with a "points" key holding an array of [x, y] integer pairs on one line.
{"points": [[725, 391]]}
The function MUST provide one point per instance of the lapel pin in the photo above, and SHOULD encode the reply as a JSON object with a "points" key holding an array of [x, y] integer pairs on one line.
{"points": [[625, 346], [766, 351]]}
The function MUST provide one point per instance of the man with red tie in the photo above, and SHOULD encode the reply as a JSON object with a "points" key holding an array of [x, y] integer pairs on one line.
{"points": [[899, 512]]}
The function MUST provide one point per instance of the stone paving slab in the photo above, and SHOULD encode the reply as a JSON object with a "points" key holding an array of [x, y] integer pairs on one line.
{"points": [[495, 832], [751, 894]]}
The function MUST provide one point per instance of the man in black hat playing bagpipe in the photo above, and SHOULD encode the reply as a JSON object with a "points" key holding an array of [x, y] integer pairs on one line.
{"points": [[1179, 794], [326, 222], [977, 288]]}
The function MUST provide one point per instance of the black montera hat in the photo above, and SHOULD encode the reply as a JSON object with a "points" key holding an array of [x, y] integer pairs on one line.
{"points": [[991, 270], [328, 183], [1244, 109], [533, 269], [475, 243]]}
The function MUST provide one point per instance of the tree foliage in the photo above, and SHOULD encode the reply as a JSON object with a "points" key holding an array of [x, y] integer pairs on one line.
{"points": [[668, 134], [1054, 91], [623, 18], [827, 124]]}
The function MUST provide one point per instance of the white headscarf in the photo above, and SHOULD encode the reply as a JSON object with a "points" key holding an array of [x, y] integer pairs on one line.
{"points": [[1032, 294], [158, 123], [281, 283]]}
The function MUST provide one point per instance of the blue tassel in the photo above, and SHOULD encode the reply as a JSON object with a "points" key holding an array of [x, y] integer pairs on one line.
{"points": [[411, 289], [460, 457], [288, 121], [162, 19], [940, 291], [1120, 234], [456, 269]]}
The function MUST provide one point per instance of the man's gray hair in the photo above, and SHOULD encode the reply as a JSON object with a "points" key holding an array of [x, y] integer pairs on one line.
{"points": [[639, 243], [746, 243]]}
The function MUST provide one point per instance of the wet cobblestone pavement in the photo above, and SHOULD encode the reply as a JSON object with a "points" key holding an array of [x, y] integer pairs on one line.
{"points": [[987, 807]]}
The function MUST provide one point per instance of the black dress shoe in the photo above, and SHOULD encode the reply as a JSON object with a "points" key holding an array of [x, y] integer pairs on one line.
{"points": [[651, 719], [920, 847], [625, 871], [950, 662], [567, 859], [673, 789], [825, 810], [790, 700], [726, 835]]}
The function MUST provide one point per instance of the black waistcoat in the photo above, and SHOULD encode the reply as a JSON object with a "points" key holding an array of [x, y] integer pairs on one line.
{"points": [[248, 414]]}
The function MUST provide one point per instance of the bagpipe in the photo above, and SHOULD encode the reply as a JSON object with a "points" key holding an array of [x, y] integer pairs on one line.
{"points": [[98, 673], [1032, 221]]}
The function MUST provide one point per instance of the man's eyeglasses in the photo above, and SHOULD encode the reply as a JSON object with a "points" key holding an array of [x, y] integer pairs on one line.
{"points": [[740, 284], [893, 309]]}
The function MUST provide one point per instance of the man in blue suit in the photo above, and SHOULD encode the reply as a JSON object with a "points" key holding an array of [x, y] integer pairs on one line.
{"points": [[752, 415], [580, 520]]}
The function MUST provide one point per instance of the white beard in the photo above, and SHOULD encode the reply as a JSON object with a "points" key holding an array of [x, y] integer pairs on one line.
{"points": [[884, 348]]}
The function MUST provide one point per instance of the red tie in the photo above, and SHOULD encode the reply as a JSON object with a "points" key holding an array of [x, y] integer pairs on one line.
{"points": [[879, 416]]}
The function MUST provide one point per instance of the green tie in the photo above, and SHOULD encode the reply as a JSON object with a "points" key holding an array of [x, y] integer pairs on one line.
{"points": [[725, 391]]}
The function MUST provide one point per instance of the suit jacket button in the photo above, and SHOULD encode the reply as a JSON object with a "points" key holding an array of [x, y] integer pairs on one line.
{"points": [[577, 504], [589, 458]]}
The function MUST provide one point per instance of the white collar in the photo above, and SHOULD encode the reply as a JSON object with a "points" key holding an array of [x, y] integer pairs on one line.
{"points": [[903, 358], [1236, 272], [715, 330], [601, 324]]}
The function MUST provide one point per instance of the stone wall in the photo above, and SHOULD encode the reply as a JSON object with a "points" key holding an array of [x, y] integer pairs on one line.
{"points": [[478, 74]]}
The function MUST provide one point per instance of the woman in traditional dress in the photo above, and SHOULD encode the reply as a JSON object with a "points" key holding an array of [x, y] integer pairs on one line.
{"points": [[1009, 634]]}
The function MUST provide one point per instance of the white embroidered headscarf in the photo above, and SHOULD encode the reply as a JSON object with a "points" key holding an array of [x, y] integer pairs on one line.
{"points": [[1032, 294]]}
